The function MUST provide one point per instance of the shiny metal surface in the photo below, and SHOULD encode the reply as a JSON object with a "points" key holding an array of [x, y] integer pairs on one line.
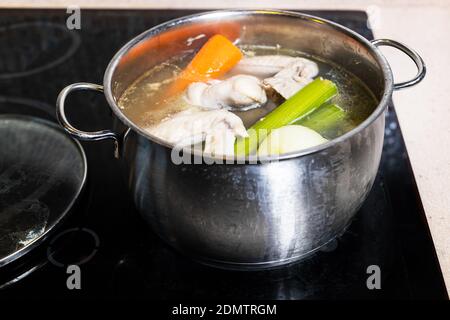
{"points": [[421, 69], [271, 212], [80, 134], [253, 215], [42, 173]]}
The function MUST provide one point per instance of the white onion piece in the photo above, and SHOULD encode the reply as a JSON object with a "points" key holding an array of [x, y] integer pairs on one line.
{"points": [[289, 139]]}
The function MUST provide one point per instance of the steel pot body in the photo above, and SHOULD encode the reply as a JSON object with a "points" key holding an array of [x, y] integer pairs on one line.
{"points": [[250, 215], [253, 215]]}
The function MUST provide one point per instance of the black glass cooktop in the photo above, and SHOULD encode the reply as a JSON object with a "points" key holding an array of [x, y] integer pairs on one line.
{"points": [[117, 253]]}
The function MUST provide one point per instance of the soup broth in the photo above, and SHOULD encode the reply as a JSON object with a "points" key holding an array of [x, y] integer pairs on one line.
{"points": [[143, 105]]}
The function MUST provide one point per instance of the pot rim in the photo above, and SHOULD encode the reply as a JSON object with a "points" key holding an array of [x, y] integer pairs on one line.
{"points": [[212, 15]]}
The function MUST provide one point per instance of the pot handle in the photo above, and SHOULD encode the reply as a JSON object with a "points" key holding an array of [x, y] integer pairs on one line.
{"points": [[421, 69], [79, 134]]}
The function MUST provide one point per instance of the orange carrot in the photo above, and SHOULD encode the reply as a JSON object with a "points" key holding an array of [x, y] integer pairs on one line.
{"points": [[217, 56], [179, 36]]}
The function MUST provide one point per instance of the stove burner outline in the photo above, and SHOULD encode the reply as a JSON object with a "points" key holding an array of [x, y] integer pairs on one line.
{"points": [[50, 253], [34, 104], [75, 43]]}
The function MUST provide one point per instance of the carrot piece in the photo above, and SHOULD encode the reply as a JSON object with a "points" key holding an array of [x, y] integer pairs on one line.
{"points": [[165, 42], [217, 56]]}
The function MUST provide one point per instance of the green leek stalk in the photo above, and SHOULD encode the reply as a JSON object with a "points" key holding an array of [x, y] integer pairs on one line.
{"points": [[322, 119], [303, 102]]}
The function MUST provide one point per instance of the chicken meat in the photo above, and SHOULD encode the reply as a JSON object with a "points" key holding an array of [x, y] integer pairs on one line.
{"points": [[217, 128], [240, 92]]}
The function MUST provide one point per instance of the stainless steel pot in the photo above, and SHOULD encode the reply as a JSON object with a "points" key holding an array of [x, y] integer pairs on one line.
{"points": [[250, 215]]}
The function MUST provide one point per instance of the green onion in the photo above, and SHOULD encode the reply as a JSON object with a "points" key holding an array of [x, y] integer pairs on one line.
{"points": [[323, 119], [303, 102]]}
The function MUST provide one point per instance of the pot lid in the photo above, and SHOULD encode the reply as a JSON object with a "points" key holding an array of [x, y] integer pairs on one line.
{"points": [[42, 173]]}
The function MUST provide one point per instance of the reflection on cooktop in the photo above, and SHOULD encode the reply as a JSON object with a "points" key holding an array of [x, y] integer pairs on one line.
{"points": [[341, 271]]}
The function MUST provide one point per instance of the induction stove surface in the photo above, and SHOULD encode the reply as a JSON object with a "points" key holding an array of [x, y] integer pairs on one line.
{"points": [[119, 256]]}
